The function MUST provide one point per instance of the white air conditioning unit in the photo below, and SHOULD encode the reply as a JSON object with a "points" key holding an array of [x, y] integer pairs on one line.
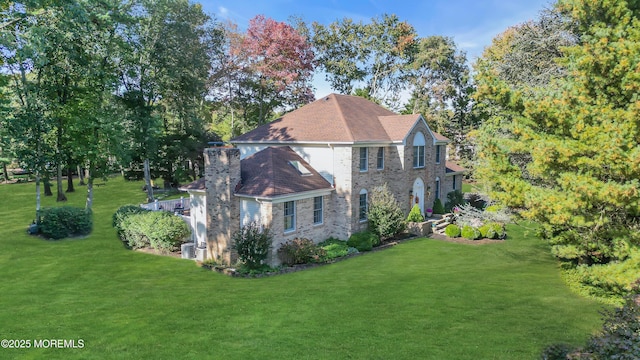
{"points": [[188, 250], [201, 253]]}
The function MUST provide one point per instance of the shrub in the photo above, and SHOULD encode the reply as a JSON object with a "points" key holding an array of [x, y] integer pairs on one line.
{"points": [[386, 219], [415, 215], [167, 232], [334, 248], [363, 241], [620, 336], [437, 207], [300, 251], [160, 230], [454, 198], [496, 231], [493, 208], [471, 233], [252, 244], [468, 215], [557, 352], [452, 230], [66, 221], [485, 231], [124, 211]]}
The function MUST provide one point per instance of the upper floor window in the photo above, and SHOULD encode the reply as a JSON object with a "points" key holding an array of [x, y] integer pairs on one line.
{"points": [[418, 150], [380, 159], [438, 153], [317, 210], [362, 208], [364, 158], [289, 216]]}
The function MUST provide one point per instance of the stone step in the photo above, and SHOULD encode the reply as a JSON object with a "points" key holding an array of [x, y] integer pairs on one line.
{"points": [[442, 226]]}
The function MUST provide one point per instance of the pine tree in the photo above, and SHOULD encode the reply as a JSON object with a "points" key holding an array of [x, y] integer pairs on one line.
{"points": [[568, 154]]}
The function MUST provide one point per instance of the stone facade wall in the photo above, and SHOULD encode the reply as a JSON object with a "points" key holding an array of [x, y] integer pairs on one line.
{"points": [[305, 228], [448, 185], [222, 173], [398, 173]]}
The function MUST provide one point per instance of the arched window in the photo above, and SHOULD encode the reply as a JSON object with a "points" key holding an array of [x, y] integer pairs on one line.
{"points": [[362, 208], [418, 150]]}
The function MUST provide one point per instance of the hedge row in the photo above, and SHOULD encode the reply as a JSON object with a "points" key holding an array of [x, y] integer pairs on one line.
{"points": [[160, 230], [486, 231]]}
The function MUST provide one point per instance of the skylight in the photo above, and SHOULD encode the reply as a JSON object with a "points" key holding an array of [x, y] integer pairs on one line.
{"points": [[301, 168]]}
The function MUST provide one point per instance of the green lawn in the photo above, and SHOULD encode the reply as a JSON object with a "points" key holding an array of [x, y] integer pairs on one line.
{"points": [[423, 299]]}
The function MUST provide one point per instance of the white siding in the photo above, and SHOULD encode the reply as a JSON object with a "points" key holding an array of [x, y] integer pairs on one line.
{"points": [[319, 157], [198, 214], [249, 212], [248, 150]]}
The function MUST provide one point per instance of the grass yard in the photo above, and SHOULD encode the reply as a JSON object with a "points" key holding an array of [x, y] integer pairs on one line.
{"points": [[423, 299]]}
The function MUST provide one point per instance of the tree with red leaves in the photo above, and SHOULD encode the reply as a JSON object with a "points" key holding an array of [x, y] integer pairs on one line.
{"points": [[274, 69]]}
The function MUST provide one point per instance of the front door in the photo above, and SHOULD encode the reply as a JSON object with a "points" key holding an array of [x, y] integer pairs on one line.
{"points": [[418, 194]]}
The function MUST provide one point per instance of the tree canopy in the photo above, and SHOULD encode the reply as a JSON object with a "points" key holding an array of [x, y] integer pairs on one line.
{"points": [[567, 154]]}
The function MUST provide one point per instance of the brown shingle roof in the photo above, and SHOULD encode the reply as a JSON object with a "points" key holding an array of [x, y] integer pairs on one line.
{"points": [[440, 137], [197, 185], [334, 118], [398, 126], [268, 173], [454, 168]]}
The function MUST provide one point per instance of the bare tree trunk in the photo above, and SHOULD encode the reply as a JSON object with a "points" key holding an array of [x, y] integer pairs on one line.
{"points": [[47, 185], [70, 187], [37, 198], [61, 195], [5, 172], [147, 181], [89, 202], [80, 176]]}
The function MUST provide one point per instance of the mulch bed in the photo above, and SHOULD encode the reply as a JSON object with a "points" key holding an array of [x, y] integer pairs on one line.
{"points": [[463, 240], [289, 269]]}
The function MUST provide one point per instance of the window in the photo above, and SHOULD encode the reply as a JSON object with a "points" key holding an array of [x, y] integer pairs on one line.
{"points": [[364, 158], [437, 188], [362, 213], [380, 158], [418, 150], [302, 170], [317, 210], [438, 154], [454, 183], [289, 216]]}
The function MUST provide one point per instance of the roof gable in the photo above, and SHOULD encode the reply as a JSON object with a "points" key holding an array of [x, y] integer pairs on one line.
{"points": [[269, 173]]}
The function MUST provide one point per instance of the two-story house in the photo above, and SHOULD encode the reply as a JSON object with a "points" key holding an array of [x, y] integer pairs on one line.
{"points": [[310, 173]]}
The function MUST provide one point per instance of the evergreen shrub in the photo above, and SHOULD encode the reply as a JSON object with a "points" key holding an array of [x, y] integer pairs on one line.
{"points": [[470, 233], [415, 215], [66, 221], [437, 207], [363, 241], [452, 230]]}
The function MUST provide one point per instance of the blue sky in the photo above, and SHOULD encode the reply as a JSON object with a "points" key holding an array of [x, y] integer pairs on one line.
{"points": [[472, 24]]}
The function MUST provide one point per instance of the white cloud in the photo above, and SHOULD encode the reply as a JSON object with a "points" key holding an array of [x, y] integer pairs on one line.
{"points": [[223, 11]]}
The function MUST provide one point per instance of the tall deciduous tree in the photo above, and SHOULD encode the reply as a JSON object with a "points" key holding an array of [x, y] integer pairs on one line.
{"points": [[273, 71], [372, 56], [164, 81], [579, 137], [441, 91]]}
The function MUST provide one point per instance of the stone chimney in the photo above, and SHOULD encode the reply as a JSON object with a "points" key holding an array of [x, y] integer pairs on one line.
{"points": [[222, 175]]}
